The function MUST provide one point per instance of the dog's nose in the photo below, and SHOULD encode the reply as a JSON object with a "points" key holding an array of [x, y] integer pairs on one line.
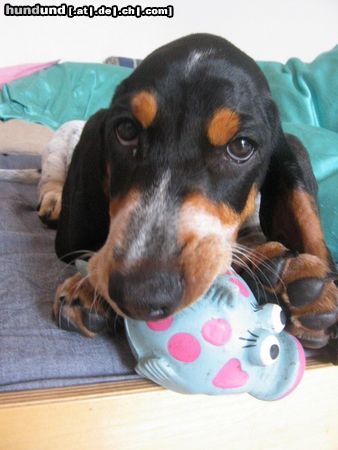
{"points": [[146, 294]]}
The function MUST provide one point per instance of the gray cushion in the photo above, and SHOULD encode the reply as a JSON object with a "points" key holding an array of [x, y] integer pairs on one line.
{"points": [[34, 353]]}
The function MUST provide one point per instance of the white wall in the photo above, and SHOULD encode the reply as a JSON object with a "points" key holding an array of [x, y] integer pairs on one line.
{"points": [[265, 29]]}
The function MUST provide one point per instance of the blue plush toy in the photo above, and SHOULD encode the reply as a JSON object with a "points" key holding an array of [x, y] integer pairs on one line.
{"points": [[224, 343]]}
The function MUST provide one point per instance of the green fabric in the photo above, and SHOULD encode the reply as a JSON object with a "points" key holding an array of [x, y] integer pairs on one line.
{"points": [[61, 93], [307, 99], [306, 94]]}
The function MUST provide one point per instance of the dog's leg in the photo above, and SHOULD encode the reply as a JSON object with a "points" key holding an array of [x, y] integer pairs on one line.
{"points": [[77, 307], [301, 284], [296, 268], [55, 162]]}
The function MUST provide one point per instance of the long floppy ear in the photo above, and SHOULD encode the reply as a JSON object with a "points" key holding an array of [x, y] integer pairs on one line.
{"points": [[84, 219], [289, 212]]}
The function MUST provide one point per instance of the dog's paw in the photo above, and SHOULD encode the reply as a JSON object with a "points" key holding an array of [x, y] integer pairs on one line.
{"points": [[78, 308], [50, 207], [301, 284]]}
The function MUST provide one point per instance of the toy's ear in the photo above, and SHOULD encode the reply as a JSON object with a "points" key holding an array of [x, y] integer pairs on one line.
{"points": [[84, 218], [289, 212]]}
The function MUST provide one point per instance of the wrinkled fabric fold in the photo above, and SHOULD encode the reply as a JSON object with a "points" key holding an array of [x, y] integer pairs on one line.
{"points": [[61, 93]]}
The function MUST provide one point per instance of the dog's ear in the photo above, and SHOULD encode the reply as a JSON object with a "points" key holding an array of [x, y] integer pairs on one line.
{"points": [[289, 212], [84, 220]]}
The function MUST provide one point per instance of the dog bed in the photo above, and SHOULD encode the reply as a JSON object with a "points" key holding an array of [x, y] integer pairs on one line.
{"points": [[34, 352]]}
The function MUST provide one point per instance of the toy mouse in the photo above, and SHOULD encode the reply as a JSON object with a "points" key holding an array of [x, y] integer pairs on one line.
{"points": [[224, 343]]}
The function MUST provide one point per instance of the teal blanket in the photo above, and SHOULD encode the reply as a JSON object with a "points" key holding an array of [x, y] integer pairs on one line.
{"points": [[61, 93], [306, 94]]}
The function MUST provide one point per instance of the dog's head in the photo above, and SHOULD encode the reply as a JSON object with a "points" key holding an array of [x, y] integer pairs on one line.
{"points": [[188, 139]]}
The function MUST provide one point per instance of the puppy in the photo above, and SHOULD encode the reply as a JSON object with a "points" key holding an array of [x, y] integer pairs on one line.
{"points": [[161, 187]]}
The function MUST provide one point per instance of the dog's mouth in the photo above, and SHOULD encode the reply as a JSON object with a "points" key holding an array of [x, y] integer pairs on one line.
{"points": [[153, 291]]}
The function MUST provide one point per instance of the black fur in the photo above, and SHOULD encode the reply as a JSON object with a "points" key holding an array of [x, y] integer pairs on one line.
{"points": [[191, 78], [176, 140]]}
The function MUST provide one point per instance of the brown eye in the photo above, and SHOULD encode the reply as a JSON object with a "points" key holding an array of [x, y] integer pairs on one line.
{"points": [[127, 133], [240, 149]]}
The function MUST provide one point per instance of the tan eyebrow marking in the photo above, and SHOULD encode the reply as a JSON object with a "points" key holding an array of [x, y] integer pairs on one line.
{"points": [[144, 107], [223, 125]]}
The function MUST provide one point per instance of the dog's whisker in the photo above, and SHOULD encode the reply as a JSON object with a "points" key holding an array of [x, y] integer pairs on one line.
{"points": [[80, 283], [242, 263], [258, 258], [243, 256], [248, 255], [85, 253], [258, 283]]}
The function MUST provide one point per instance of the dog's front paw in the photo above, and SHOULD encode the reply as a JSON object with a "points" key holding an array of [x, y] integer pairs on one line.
{"points": [[78, 308], [50, 206], [302, 285]]}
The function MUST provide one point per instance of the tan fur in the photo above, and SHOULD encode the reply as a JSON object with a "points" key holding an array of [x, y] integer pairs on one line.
{"points": [[202, 260], [309, 225], [207, 250], [296, 220], [50, 200], [144, 107], [223, 125]]}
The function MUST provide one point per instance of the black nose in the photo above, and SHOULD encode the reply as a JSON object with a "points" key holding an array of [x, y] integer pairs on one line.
{"points": [[146, 294]]}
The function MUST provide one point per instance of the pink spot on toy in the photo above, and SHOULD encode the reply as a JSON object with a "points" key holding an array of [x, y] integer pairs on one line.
{"points": [[216, 331], [161, 325], [231, 375], [184, 347], [242, 288]]}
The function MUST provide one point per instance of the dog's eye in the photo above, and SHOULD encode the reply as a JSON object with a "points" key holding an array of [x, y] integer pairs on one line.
{"points": [[240, 149], [127, 133]]}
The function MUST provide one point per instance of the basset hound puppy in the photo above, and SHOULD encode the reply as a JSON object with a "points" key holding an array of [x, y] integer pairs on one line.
{"points": [[163, 183]]}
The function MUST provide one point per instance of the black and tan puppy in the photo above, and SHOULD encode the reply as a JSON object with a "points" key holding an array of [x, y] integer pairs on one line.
{"points": [[162, 181]]}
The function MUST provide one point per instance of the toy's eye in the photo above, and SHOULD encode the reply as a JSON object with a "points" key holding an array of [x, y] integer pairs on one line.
{"points": [[278, 319], [127, 133], [274, 318], [268, 350], [265, 351], [240, 149]]}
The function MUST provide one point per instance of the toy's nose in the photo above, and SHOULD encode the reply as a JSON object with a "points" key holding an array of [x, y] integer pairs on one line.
{"points": [[147, 294]]}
